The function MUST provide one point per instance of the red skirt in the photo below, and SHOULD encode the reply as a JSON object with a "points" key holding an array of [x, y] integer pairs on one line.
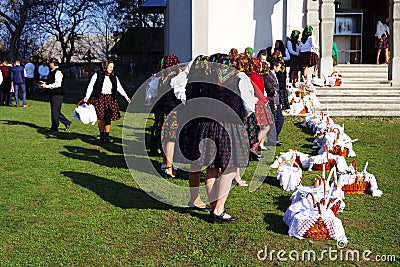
{"points": [[308, 59], [106, 107], [263, 115], [382, 43]]}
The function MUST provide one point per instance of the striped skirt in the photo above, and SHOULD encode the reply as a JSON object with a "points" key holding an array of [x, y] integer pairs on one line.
{"points": [[308, 59]]}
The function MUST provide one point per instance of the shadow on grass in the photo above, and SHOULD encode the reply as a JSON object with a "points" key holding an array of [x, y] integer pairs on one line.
{"points": [[118, 194], [275, 223], [115, 146], [304, 129], [125, 197], [272, 181], [282, 202]]}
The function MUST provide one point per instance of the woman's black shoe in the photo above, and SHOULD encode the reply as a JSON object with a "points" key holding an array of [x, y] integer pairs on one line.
{"points": [[167, 175], [223, 218], [255, 156], [205, 209], [101, 140]]}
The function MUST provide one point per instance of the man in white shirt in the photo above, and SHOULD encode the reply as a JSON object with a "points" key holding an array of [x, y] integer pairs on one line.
{"points": [[30, 75], [55, 88], [43, 71]]}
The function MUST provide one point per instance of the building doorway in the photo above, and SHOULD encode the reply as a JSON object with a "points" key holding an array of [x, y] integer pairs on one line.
{"points": [[373, 11]]}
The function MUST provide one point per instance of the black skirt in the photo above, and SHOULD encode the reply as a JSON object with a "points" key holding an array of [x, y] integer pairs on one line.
{"points": [[219, 145]]}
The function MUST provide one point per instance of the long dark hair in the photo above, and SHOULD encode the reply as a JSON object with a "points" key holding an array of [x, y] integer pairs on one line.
{"points": [[281, 47]]}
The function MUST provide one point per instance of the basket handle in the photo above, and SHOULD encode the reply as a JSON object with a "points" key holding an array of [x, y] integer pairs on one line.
{"points": [[80, 102], [354, 164], [337, 131], [291, 161], [315, 204], [318, 182], [310, 174]]}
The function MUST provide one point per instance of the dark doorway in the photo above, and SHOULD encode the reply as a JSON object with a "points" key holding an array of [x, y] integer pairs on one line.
{"points": [[373, 11]]}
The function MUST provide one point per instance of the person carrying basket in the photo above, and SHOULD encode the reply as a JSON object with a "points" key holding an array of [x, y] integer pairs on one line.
{"points": [[101, 92]]}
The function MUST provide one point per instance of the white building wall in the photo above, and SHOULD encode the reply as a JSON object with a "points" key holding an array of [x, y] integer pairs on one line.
{"points": [[296, 19], [206, 27], [231, 24]]}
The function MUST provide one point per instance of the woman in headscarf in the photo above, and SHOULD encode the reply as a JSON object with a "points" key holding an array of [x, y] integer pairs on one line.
{"points": [[281, 74], [308, 51], [293, 46], [228, 149], [166, 104], [102, 90], [263, 112], [243, 64]]}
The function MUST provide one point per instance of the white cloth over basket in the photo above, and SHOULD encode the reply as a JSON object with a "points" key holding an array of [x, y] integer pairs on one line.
{"points": [[350, 176], [300, 222], [341, 163], [290, 155], [152, 90], [289, 177], [86, 113]]}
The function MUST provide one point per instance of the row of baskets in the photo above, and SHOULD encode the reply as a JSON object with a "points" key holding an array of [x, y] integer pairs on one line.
{"points": [[312, 213]]}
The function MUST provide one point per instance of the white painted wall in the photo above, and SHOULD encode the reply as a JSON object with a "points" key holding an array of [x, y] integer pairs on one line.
{"points": [[215, 26], [296, 17], [231, 24]]}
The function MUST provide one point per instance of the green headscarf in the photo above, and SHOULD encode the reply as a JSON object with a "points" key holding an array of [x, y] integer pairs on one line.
{"points": [[306, 32], [249, 52], [295, 34]]}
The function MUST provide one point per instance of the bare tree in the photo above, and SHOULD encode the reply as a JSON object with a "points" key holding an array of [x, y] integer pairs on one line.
{"points": [[105, 28], [14, 14], [67, 21]]}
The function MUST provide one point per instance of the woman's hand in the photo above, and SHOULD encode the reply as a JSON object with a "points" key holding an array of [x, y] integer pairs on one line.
{"points": [[85, 99], [128, 100]]}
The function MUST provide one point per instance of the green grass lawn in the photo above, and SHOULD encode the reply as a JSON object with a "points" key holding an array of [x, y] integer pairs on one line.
{"points": [[66, 201]]}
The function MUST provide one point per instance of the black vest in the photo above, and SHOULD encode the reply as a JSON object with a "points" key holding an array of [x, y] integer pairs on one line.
{"points": [[98, 85], [51, 79]]}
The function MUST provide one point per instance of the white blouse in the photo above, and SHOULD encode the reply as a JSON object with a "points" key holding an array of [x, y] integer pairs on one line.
{"points": [[310, 45], [381, 29], [107, 86], [290, 48]]}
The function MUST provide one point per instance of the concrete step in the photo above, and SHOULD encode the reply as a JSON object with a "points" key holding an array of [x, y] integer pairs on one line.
{"points": [[372, 113], [357, 86], [359, 99], [361, 106], [367, 70], [365, 76], [360, 66], [358, 92], [366, 91]]}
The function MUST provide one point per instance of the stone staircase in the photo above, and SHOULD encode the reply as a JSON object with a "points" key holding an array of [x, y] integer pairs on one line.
{"points": [[366, 91]]}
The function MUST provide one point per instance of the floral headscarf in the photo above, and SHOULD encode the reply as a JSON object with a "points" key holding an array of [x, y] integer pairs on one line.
{"points": [[169, 61], [225, 72], [306, 32], [199, 68], [255, 66], [243, 63]]}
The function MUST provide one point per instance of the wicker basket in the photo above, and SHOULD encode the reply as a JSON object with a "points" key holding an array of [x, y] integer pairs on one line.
{"points": [[359, 186], [328, 165], [318, 181], [336, 149], [297, 160], [340, 151], [319, 229]]}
